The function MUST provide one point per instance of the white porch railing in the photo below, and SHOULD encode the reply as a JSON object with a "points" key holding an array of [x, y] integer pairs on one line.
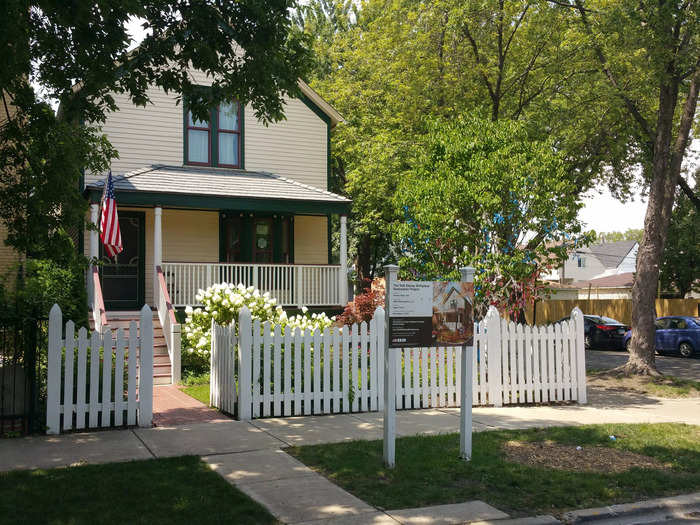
{"points": [[291, 284], [171, 328]]}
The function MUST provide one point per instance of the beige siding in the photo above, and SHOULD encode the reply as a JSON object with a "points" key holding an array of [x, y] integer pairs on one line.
{"points": [[8, 258], [310, 240], [190, 236], [295, 148], [145, 135]]}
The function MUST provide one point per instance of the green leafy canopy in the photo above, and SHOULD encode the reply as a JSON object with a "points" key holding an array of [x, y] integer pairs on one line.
{"points": [[487, 194]]}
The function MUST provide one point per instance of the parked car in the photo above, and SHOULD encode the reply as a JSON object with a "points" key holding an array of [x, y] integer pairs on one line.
{"points": [[677, 334], [602, 332]]}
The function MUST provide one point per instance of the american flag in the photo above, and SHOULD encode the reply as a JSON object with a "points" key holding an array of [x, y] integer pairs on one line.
{"points": [[109, 225]]}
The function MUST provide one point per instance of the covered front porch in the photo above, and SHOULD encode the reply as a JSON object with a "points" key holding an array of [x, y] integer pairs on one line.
{"points": [[201, 226]]}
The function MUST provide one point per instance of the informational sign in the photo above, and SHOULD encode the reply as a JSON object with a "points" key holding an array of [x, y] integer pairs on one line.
{"points": [[431, 313]]}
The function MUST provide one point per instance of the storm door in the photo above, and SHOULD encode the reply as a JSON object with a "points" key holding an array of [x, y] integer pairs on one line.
{"points": [[123, 276]]}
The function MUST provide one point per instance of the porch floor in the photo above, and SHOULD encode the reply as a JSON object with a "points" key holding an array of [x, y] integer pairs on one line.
{"points": [[172, 407]]}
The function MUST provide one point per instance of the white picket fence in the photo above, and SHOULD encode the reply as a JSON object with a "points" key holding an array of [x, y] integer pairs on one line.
{"points": [[260, 371], [99, 379]]}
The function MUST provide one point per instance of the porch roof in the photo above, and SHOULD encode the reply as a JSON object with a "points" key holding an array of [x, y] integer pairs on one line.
{"points": [[219, 188]]}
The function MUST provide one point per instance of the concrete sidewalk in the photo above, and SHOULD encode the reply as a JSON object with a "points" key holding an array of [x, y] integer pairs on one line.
{"points": [[248, 454]]}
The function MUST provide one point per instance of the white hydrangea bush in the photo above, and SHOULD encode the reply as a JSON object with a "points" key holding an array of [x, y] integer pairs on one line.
{"points": [[222, 303]]}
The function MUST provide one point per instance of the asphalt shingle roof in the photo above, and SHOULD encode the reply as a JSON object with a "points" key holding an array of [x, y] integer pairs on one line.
{"points": [[611, 254], [220, 182]]}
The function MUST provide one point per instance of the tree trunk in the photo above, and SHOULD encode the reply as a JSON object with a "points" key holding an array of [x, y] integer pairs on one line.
{"points": [[364, 260], [666, 167]]}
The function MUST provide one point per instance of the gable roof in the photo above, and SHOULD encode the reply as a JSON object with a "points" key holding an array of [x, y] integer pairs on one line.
{"points": [[221, 187], [612, 254], [321, 103]]}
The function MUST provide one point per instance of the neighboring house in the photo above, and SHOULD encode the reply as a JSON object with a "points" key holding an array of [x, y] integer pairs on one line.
{"points": [[616, 286], [8, 256], [597, 260], [223, 200]]}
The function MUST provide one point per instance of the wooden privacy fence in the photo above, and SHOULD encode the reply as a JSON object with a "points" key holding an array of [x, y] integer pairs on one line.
{"points": [[99, 379], [258, 370]]}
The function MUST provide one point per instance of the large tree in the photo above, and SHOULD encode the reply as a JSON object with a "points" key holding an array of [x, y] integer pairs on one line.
{"points": [[79, 54], [388, 65], [648, 57]]}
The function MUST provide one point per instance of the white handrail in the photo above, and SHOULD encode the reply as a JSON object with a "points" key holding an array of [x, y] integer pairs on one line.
{"points": [[291, 284], [171, 328]]}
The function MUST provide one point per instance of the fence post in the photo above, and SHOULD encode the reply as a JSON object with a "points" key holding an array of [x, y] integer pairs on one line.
{"points": [[146, 367], [577, 333], [493, 359], [245, 344], [213, 365], [53, 387], [391, 273]]}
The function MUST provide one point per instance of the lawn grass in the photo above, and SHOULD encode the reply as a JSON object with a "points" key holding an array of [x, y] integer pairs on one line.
{"points": [[428, 471], [173, 490], [199, 392]]}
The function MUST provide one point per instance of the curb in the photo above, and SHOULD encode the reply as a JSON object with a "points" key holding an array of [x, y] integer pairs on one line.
{"points": [[673, 503]]}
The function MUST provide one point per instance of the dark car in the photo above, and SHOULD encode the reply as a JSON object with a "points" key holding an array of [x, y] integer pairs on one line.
{"points": [[602, 332], [675, 335]]}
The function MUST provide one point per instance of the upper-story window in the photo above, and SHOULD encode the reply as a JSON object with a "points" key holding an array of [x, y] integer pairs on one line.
{"points": [[581, 262], [217, 141]]}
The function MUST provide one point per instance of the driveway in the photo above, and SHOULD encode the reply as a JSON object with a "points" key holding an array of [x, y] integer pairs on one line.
{"points": [[671, 365]]}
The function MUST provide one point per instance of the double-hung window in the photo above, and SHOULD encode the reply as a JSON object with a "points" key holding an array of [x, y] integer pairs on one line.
{"points": [[217, 141], [229, 135]]}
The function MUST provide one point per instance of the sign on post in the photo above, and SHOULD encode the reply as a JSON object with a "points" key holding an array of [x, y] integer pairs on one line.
{"points": [[428, 314]]}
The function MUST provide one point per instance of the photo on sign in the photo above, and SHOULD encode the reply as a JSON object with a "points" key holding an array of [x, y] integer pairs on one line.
{"points": [[453, 313]]}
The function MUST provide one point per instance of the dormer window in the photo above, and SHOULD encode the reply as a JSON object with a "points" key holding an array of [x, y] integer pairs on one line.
{"points": [[217, 141]]}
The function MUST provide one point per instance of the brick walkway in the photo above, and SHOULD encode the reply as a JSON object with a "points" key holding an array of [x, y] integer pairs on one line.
{"points": [[172, 407]]}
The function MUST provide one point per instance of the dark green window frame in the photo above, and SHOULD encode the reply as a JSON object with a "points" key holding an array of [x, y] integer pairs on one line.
{"points": [[214, 138]]}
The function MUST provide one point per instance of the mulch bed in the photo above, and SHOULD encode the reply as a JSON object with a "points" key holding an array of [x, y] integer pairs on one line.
{"points": [[548, 454]]}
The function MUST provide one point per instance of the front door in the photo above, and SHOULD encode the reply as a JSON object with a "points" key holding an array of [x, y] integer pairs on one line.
{"points": [[122, 277]]}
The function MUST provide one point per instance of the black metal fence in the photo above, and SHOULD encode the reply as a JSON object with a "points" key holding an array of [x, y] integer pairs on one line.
{"points": [[23, 351]]}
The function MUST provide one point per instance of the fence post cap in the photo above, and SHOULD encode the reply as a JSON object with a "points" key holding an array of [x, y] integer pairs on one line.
{"points": [[145, 309], [467, 273], [55, 310], [391, 268]]}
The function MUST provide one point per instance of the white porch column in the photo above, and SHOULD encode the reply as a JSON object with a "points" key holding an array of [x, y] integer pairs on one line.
{"points": [[157, 251], [343, 279], [94, 251]]}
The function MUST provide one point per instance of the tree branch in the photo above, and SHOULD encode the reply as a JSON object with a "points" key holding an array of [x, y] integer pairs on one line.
{"points": [[629, 103], [689, 192], [478, 61]]}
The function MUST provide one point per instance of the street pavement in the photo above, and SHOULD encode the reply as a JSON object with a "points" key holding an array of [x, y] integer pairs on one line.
{"points": [[686, 368]]}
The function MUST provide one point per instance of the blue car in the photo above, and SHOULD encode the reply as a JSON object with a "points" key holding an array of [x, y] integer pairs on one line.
{"points": [[675, 334]]}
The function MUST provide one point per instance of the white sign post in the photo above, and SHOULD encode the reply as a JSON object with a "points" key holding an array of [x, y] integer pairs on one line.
{"points": [[390, 274], [411, 305], [466, 399]]}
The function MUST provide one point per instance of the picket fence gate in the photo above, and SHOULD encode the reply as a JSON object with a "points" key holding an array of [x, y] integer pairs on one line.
{"points": [[109, 385], [260, 371]]}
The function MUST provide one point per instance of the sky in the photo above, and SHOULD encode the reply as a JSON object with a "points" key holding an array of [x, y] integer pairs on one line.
{"points": [[604, 213]]}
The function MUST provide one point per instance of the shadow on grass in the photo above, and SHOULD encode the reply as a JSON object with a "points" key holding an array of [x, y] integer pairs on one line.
{"points": [[428, 470]]}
